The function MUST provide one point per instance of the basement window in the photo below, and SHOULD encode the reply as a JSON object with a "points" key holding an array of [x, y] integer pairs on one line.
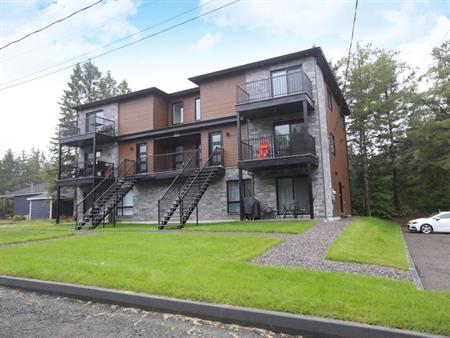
{"points": [[125, 207]]}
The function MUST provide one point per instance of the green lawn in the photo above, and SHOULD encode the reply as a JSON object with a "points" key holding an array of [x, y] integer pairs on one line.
{"points": [[287, 227], [373, 241], [216, 268], [10, 237]]}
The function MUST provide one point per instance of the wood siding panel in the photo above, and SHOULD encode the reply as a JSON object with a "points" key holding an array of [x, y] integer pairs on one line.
{"points": [[339, 161], [229, 144], [127, 150], [218, 97], [136, 115], [160, 111]]}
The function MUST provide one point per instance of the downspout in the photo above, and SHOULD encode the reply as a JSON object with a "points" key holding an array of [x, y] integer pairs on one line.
{"points": [[320, 140]]}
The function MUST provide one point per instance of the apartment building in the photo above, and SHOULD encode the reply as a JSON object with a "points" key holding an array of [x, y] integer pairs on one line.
{"points": [[271, 133]]}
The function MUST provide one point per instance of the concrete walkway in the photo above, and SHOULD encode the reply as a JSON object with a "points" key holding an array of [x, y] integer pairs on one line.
{"points": [[308, 250]]}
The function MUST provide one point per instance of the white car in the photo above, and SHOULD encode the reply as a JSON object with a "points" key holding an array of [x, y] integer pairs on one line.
{"points": [[437, 223]]}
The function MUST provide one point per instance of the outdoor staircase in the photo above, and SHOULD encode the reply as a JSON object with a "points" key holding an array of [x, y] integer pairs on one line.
{"points": [[108, 197], [182, 205]]}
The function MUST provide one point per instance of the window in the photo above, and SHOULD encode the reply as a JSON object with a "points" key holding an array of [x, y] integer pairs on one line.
{"points": [[332, 144], [94, 120], [233, 194], [177, 112], [141, 154], [288, 138], [329, 100], [342, 118], [125, 207], [286, 81], [179, 157], [198, 112], [292, 194]]}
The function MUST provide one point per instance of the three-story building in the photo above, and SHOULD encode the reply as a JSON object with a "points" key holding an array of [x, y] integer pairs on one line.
{"points": [[271, 131]]}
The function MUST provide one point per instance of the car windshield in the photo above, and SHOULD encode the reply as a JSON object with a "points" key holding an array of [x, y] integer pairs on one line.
{"points": [[433, 215]]}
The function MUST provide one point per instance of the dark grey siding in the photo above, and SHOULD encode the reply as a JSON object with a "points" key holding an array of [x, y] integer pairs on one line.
{"points": [[40, 209], [21, 205]]}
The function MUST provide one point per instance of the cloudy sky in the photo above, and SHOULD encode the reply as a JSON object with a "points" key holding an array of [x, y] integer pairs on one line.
{"points": [[246, 31]]}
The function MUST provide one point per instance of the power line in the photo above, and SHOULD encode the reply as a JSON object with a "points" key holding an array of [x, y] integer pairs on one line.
{"points": [[49, 25], [124, 46], [109, 44], [350, 47]]}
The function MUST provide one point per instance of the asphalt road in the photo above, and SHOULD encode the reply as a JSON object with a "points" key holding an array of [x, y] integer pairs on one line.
{"points": [[431, 255], [29, 314]]}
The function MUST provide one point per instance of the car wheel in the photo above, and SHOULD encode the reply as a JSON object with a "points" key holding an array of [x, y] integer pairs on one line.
{"points": [[426, 229]]}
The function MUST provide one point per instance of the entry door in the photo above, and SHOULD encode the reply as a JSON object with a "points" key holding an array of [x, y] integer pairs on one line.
{"points": [[286, 81], [94, 120], [216, 141], [141, 153], [288, 138]]}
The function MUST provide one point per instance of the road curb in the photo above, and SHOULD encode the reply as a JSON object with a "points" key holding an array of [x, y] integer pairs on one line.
{"points": [[307, 326], [414, 273]]}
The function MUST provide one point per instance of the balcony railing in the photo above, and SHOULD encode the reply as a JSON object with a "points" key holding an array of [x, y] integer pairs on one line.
{"points": [[86, 125], [86, 169], [273, 87], [277, 146]]}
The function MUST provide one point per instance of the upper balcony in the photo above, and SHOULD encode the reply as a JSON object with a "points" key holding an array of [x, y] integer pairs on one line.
{"points": [[278, 151], [80, 132], [262, 97], [84, 172]]}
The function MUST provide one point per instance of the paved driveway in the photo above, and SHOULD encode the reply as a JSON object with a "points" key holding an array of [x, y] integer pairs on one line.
{"points": [[28, 314], [431, 254]]}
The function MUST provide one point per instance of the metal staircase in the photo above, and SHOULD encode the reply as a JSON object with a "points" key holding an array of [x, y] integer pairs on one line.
{"points": [[182, 197], [110, 191]]}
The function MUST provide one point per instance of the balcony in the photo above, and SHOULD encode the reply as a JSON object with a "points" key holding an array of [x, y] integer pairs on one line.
{"points": [[278, 151], [83, 172], [285, 90], [78, 132]]}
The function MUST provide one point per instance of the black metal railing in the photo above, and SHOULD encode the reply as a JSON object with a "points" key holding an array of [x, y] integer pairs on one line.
{"points": [[272, 87], [86, 125], [86, 169], [277, 146], [175, 161]]}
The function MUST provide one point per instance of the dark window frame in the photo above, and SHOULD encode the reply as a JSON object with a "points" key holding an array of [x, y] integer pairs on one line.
{"points": [[300, 66], [87, 117], [182, 112], [292, 186], [199, 117], [329, 99], [210, 149], [332, 143], [229, 203], [138, 154], [121, 208]]}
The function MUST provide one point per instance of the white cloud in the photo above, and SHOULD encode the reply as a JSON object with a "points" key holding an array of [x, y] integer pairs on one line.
{"points": [[299, 18], [417, 52], [207, 41]]}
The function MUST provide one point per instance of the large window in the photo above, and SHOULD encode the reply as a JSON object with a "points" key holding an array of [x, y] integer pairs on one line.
{"points": [[198, 112], [125, 207], [177, 112], [292, 193], [286, 81], [233, 194]]}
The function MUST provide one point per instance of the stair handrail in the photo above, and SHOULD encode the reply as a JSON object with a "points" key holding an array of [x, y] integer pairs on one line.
{"points": [[111, 175], [179, 174], [201, 169], [118, 178]]}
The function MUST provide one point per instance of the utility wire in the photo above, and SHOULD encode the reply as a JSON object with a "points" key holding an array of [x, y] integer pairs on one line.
{"points": [[49, 25], [350, 47], [124, 46], [348, 58], [109, 44]]}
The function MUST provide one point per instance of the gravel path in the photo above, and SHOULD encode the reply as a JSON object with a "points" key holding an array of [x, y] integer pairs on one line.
{"points": [[28, 314], [308, 250]]}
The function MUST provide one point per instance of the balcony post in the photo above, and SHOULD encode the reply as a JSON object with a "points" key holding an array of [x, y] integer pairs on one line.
{"points": [[305, 117], [241, 191], [310, 192], [58, 189]]}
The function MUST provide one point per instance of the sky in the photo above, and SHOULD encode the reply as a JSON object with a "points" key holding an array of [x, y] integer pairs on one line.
{"points": [[246, 31]]}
